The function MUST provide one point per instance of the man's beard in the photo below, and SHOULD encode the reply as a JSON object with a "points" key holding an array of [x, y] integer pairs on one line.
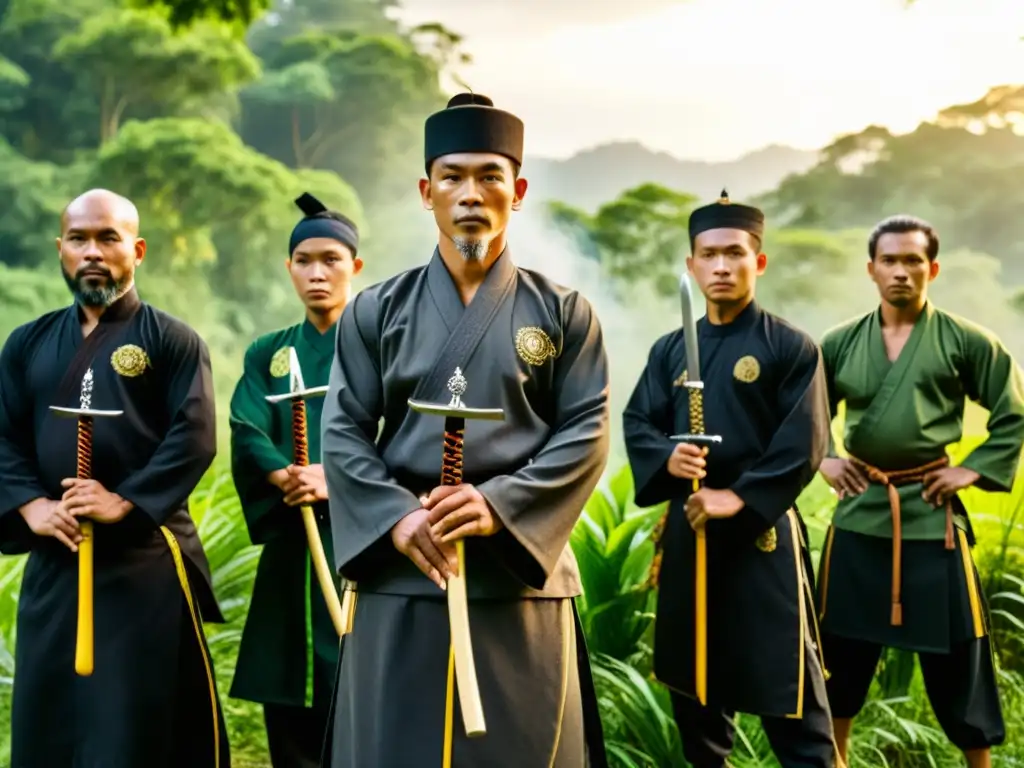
{"points": [[472, 249], [97, 295]]}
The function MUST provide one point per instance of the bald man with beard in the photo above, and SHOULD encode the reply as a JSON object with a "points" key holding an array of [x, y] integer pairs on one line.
{"points": [[150, 699]]}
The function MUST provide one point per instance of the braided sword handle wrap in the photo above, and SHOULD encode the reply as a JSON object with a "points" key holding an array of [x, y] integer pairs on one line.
{"points": [[84, 454], [300, 439], [696, 398], [451, 463], [696, 410]]}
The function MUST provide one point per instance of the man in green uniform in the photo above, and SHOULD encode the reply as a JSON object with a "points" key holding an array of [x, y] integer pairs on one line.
{"points": [[896, 570], [289, 648]]}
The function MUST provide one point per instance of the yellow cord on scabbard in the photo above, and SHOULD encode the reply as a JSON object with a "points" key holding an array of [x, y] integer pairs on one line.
{"points": [[701, 598]]}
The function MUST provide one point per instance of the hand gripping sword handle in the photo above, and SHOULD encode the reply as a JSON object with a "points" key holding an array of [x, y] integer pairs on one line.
{"points": [[461, 652], [696, 404], [300, 443], [84, 650]]}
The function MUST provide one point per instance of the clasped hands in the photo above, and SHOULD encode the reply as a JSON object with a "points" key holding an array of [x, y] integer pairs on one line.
{"points": [[82, 498], [687, 462], [427, 535], [300, 485]]}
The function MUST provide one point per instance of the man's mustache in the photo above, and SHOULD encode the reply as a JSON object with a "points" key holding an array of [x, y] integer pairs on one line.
{"points": [[92, 270]]}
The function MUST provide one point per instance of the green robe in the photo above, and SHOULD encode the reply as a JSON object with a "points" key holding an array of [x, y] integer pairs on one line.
{"points": [[904, 414], [289, 648]]}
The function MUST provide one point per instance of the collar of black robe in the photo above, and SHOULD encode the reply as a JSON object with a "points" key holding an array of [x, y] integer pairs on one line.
{"points": [[321, 343], [122, 309], [743, 321], [112, 322], [441, 286]]}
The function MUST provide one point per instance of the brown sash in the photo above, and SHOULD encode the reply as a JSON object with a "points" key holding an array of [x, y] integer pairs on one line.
{"points": [[891, 481]]}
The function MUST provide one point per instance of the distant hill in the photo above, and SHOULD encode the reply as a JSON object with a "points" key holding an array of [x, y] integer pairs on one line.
{"points": [[598, 175]]}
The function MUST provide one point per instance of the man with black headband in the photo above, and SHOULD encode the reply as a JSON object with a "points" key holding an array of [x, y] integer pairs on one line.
{"points": [[145, 695], [288, 654], [764, 395], [520, 343]]}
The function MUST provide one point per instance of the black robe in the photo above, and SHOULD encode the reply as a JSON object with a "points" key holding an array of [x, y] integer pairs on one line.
{"points": [[151, 700], [534, 349], [764, 393]]}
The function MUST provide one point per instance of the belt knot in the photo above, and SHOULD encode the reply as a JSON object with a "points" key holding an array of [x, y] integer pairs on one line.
{"points": [[891, 480]]}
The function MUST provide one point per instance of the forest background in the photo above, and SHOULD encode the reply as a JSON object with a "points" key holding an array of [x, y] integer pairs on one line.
{"points": [[213, 118]]}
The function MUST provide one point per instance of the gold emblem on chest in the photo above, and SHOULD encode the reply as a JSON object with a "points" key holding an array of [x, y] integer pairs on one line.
{"points": [[280, 363], [747, 369], [533, 345], [129, 360], [768, 540]]}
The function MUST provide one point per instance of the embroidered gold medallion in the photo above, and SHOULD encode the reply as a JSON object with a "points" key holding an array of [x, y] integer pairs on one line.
{"points": [[534, 346], [129, 360], [768, 540], [280, 363], [747, 369]]}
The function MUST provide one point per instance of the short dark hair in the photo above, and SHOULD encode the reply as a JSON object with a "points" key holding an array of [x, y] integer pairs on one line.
{"points": [[902, 224]]}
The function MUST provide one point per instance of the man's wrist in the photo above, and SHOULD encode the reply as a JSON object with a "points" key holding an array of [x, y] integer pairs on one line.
{"points": [[124, 505], [28, 507]]}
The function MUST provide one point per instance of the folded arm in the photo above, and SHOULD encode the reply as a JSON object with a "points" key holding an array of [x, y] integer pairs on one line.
{"points": [[540, 503], [188, 448], [19, 479], [647, 420], [365, 501], [771, 486], [253, 453], [993, 379]]}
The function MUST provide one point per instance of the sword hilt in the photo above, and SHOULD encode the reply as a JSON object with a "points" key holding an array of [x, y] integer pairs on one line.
{"points": [[300, 438], [84, 452], [696, 407], [696, 410], [451, 462]]}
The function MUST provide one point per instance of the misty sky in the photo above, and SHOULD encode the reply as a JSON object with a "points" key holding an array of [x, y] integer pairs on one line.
{"points": [[713, 79]]}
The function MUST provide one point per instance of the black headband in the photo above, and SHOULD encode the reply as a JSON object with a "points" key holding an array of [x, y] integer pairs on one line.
{"points": [[316, 224]]}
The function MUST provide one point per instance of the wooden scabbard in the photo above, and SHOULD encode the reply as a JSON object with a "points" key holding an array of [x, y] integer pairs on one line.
{"points": [[316, 545], [458, 603], [84, 642]]}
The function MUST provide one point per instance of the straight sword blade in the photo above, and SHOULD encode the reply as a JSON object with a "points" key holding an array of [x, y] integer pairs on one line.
{"points": [[689, 329]]}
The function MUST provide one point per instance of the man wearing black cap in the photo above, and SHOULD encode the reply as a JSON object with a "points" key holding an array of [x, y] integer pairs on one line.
{"points": [[288, 654], [518, 342], [764, 394]]}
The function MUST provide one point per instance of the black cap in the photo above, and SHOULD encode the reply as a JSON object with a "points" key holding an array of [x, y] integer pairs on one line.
{"points": [[725, 214], [471, 123]]}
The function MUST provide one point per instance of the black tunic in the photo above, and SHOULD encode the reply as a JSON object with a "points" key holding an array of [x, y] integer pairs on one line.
{"points": [[141, 706], [764, 393]]}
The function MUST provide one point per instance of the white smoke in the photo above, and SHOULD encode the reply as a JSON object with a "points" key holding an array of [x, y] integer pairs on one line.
{"points": [[628, 332]]}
